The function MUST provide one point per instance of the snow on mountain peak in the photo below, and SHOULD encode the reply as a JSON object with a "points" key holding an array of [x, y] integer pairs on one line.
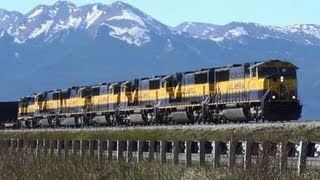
{"points": [[73, 22], [134, 35], [35, 13], [133, 26], [120, 4], [5, 17], [187, 26], [62, 4], [128, 15], [307, 34], [93, 15], [125, 22], [238, 31], [65, 6], [309, 29], [43, 29]]}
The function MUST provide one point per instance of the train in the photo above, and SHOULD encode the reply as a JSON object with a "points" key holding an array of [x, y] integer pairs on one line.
{"points": [[239, 93]]}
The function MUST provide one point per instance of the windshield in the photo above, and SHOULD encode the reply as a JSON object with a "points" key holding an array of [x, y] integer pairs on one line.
{"points": [[267, 71], [30, 100], [288, 71], [27, 101], [85, 93]]}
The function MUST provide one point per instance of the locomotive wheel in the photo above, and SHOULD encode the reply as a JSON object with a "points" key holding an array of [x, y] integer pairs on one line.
{"points": [[78, 121], [28, 124]]}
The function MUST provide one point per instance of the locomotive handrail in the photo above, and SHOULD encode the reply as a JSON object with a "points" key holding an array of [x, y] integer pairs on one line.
{"points": [[265, 95]]}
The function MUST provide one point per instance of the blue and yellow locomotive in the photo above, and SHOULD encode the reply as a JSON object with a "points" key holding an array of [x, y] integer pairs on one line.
{"points": [[256, 91]]}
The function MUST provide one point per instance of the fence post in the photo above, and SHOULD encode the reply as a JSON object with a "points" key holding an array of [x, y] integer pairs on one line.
{"points": [[302, 159], [82, 148], [33, 146], [109, 149], [7, 143], [282, 151], [75, 146], [187, 145], [140, 152], [38, 147], [60, 144], [13, 144], [175, 151], [216, 153], [100, 149], [231, 155], [151, 150], [129, 151], [119, 150], [163, 151], [202, 153], [46, 147], [66, 147], [25, 146], [91, 148], [19, 145], [247, 154], [53, 144]]}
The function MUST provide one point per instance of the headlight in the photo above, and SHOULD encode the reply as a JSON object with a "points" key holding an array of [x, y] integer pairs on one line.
{"points": [[281, 79], [293, 97], [273, 97]]}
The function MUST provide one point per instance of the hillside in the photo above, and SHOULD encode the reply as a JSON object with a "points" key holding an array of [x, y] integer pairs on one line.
{"points": [[65, 45]]}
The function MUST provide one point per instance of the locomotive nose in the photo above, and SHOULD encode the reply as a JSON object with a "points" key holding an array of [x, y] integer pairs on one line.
{"points": [[282, 87]]}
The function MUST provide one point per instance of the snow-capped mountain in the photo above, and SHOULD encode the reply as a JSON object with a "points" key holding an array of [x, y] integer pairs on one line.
{"points": [[8, 20], [308, 34], [48, 22], [131, 25], [65, 45]]}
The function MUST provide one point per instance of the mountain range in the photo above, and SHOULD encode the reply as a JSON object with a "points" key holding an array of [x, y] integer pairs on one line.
{"points": [[65, 45]]}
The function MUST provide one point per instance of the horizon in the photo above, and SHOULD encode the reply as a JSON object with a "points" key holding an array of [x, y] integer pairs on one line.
{"points": [[245, 11]]}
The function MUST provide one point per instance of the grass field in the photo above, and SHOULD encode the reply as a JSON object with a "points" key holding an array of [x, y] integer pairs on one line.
{"points": [[295, 133], [24, 165], [27, 166]]}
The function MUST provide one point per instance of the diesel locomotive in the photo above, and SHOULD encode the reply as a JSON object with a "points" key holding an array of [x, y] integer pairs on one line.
{"points": [[255, 91]]}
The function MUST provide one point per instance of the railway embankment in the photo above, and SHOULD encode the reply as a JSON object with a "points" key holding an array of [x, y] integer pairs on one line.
{"points": [[278, 131], [274, 150]]}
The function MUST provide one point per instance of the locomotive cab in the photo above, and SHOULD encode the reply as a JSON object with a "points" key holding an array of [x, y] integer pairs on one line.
{"points": [[40, 102], [279, 80], [129, 93], [168, 85], [85, 95], [27, 106], [114, 95]]}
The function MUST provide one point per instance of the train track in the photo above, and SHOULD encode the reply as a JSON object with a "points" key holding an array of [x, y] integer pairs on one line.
{"points": [[250, 125]]}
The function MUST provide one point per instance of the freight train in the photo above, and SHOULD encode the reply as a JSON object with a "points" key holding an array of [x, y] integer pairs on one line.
{"points": [[255, 91]]}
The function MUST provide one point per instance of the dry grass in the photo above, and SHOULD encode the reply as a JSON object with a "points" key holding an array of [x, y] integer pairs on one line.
{"points": [[27, 166], [24, 165], [271, 134]]}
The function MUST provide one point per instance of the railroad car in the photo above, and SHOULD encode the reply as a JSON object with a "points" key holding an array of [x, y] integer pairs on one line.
{"points": [[26, 111], [255, 91], [8, 114]]}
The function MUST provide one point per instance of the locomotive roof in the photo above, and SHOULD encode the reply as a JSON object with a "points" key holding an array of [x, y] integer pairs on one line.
{"points": [[152, 78], [265, 62], [257, 64], [126, 82]]}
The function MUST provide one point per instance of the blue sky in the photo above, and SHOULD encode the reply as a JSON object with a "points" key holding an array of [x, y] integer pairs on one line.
{"points": [[173, 12]]}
